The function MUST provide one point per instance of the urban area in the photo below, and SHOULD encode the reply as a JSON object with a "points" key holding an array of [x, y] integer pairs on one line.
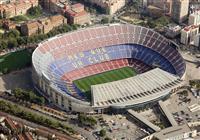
{"points": [[99, 70]]}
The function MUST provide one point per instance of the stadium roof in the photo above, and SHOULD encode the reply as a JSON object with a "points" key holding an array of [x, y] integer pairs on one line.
{"points": [[136, 90]]}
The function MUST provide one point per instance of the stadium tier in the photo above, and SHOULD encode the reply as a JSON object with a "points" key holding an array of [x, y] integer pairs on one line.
{"points": [[61, 60], [105, 66]]}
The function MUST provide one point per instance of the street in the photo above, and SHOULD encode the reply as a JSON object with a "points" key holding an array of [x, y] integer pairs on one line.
{"points": [[82, 131]]}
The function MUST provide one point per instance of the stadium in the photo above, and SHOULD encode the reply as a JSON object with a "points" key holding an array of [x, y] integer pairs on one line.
{"points": [[112, 66]]}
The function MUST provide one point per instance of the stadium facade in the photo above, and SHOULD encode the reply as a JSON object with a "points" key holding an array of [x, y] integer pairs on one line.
{"points": [[58, 61]]}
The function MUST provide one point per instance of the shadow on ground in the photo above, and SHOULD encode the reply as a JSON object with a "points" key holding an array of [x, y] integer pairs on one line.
{"points": [[16, 79]]}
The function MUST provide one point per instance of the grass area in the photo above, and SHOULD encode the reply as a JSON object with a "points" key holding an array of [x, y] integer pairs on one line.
{"points": [[84, 84], [14, 61]]}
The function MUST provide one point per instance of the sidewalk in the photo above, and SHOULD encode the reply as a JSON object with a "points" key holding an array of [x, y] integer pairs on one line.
{"points": [[6, 51]]}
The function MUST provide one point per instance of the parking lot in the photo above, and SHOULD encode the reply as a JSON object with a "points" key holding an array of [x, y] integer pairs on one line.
{"points": [[118, 127], [179, 107]]}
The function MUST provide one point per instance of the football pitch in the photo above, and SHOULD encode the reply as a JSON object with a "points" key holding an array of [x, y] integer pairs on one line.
{"points": [[84, 84]]}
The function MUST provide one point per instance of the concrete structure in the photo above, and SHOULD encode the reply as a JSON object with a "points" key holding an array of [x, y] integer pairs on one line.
{"points": [[154, 12], [194, 107], [54, 6], [111, 6], [143, 120], [42, 25], [60, 60], [8, 10], [31, 28], [188, 34], [194, 18], [164, 5], [176, 133], [76, 14], [180, 10], [182, 132], [167, 113], [197, 40]]}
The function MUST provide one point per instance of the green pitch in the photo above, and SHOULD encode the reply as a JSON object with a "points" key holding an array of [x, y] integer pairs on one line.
{"points": [[84, 84], [14, 61]]}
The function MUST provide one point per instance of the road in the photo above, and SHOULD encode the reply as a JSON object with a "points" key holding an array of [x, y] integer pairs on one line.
{"points": [[80, 130]]}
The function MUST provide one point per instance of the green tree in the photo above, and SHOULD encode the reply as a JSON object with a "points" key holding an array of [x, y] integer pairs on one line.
{"points": [[5, 70], [102, 132], [13, 33], [21, 40], [151, 23], [12, 43], [107, 138], [3, 44], [105, 20], [19, 18], [162, 21], [87, 120], [35, 11]]}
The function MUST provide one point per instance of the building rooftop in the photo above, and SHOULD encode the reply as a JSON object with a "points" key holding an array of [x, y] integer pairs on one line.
{"points": [[56, 17], [188, 28], [167, 113], [172, 131], [77, 5], [32, 24]]}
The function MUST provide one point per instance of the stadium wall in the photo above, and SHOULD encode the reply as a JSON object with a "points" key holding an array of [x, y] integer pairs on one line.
{"points": [[62, 100], [69, 103]]}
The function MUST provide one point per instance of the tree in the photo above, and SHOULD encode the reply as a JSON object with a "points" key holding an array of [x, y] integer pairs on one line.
{"points": [[3, 44], [5, 70], [102, 132], [107, 138], [151, 23], [21, 40], [19, 18], [12, 43], [35, 11], [105, 20], [29, 96], [87, 120], [163, 21], [13, 33]]}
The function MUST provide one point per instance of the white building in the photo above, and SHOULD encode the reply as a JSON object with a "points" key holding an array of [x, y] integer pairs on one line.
{"points": [[197, 40], [181, 132], [188, 34], [180, 10], [194, 18]]}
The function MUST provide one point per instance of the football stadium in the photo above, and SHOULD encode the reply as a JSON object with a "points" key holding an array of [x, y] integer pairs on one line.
{"points": [[114, 66]]}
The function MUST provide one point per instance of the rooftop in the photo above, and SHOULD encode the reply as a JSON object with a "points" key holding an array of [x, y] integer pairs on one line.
{"points": [[188, 28], [134, 90], [172, 131]]}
